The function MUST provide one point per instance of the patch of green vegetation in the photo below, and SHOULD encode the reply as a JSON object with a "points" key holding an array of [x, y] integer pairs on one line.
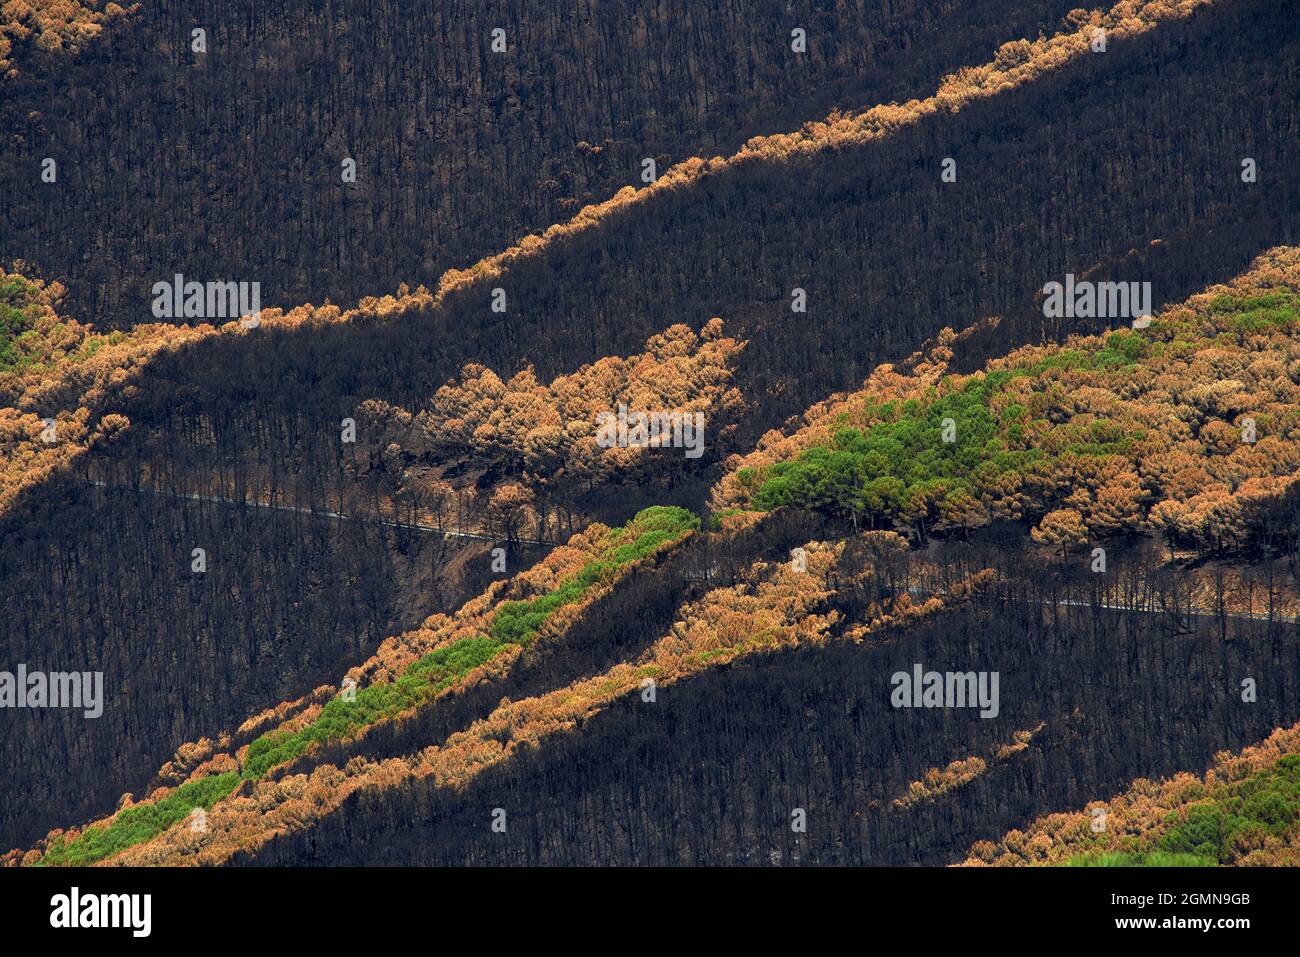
{"points": [[903, 460], [907, 464], [1267, 803], [1124, 348], [1264, 312], [15, 320], [1153, 859], [517, 622], [340, 718], [140, 822], [1275, 299]]}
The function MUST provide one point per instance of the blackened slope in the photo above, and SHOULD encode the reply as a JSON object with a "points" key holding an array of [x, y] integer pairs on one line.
{"points": [[102, 581], [710, 772], [888, 254], [227, 165], [1150, 134]]}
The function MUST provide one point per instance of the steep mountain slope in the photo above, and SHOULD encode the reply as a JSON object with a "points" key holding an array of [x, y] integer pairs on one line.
{"points": [[727, 238]]}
